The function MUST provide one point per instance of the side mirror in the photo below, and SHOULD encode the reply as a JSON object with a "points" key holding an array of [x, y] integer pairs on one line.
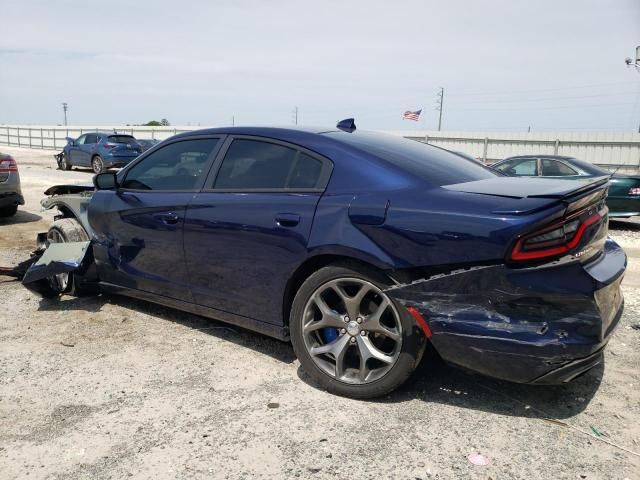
{"points": [[70, 140], [105, 181]]}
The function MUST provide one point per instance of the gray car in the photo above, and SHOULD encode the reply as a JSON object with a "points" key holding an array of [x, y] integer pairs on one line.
{"points": [[10, 192]]}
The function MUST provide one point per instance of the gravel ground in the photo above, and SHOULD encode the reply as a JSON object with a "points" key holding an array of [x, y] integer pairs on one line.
{"points": [[108, 387]]}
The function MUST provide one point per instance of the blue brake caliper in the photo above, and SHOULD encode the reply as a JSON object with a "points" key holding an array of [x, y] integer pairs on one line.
{"points": [[329, 334]]}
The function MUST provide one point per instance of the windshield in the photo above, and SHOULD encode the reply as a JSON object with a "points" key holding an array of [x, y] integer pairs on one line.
{"points": [[438, 166], [120, 139]]}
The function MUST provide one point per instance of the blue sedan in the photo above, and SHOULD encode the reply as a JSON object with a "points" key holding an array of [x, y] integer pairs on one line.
{"points": [[361, 249], [99, 151]]}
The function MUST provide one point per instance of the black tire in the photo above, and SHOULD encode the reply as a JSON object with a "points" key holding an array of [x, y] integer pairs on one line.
{"points": [[97, 164], [410, 351], [70, 230], [9, 211], [65, 164]]}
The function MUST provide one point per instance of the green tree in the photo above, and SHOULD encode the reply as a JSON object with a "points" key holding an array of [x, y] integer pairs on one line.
{"points": [[164, 122], [152, 123]]}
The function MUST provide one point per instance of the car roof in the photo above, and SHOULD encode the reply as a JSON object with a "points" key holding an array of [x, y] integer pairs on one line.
{"points": [[109, 133], [258, 131], [553, 157]]}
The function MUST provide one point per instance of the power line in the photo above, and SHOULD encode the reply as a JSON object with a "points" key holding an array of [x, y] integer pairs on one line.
{"points": [[546, 99], [558, 107], [515, 92]]}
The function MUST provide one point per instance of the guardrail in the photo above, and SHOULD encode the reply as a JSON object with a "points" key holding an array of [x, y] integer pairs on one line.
{"points": [[53, 138], [613, 151]]}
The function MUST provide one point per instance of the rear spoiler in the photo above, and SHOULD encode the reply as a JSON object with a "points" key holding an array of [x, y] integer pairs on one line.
{"points": [[597, 182]]}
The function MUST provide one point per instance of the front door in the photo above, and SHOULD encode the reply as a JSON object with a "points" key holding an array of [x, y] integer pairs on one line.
{"points": [[248, 229], [139, 227], [75, 152]]}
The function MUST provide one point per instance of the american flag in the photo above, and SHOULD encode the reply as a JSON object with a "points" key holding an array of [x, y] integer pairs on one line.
{"points": [[409, 115]]}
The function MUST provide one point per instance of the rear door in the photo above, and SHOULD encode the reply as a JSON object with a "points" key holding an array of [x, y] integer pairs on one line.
{"points": [[140, 225], [249, 227]]}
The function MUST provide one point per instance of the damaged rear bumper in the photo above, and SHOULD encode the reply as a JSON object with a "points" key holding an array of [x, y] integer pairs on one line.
{"points": [[527, 325]]}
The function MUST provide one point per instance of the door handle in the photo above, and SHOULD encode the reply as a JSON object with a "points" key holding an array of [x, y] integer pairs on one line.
{"points": [[287, 219], [168, 218]]}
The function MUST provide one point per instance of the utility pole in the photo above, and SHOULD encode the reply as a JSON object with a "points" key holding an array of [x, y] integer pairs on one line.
{"points": [[233, 120], [295, 115], [636, 64], [439, 106], [64, 109]]}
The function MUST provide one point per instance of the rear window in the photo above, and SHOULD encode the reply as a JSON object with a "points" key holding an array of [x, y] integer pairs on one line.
{"points": [[587, 167], [120, 139], [433, 164]]}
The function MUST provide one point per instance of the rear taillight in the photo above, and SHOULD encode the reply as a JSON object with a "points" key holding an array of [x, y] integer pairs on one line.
{"points": [[556, 239], [634, 191], [108, 145], [8, 165]]}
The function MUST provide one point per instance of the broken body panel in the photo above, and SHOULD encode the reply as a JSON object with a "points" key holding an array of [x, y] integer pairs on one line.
{"points": [[521, 324]]}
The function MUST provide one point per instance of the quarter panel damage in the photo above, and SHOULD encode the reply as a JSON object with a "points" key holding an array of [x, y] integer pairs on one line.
{"points": [[514, 324]]}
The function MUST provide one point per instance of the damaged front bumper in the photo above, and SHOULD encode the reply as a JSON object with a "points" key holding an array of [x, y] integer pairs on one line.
{"points": [[51, 260], [527, 325]]}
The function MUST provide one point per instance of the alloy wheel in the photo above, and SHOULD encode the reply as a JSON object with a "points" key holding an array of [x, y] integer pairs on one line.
{"points": [[96, 163], [352, 330]]}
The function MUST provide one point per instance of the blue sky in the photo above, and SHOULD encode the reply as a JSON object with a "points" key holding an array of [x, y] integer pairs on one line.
{"points": [[505, 65]]}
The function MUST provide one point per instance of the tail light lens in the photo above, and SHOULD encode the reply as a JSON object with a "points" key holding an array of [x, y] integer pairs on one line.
{"points": [[7, 165], [556, 239], [634, 191], [108, 145]]}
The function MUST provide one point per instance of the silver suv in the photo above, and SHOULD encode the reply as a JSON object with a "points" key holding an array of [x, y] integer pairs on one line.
{"points": [[10, 192]]}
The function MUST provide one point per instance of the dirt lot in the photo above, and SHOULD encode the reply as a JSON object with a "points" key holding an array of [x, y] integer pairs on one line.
{"points": [[108, 387]]}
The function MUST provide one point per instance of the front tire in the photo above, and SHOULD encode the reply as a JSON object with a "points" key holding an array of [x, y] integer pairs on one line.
{"points": [[97, 164], [65, 164], [362, 357]]}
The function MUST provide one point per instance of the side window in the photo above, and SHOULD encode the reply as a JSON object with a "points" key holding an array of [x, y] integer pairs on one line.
{"points": [[253, 164], [91, 138], [522, 168], [178, 166], [553, 168], [306, 172], [81, 140]]}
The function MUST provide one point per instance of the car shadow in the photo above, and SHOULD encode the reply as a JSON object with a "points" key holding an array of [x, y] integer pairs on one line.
{"points": [[20, 217], [276, 349], [436, 382]]}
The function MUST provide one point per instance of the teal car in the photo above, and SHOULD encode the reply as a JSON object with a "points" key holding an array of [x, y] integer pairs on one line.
{"points": [[624, 190]]}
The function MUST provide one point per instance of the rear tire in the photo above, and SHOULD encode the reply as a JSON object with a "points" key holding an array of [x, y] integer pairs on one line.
{"points": [[62, 231], [97, 164], [365, 358], [8, 211]]}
